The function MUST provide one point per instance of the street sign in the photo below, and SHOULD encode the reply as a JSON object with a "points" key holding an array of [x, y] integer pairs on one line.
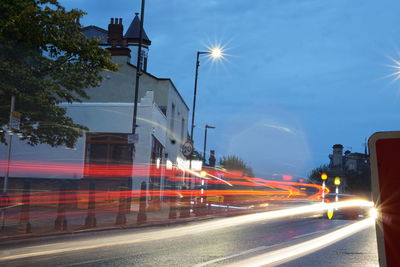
{"points": [[187, 148], [15, 120], [133, 138], [384, 150]]}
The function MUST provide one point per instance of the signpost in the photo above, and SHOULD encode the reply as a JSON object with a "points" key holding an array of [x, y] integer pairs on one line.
{"points": [[15, 120], [187, 148], [384, 150]]}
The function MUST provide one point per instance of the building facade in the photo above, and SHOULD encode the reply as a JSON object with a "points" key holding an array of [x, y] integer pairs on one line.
{"points": [[108, 114]]}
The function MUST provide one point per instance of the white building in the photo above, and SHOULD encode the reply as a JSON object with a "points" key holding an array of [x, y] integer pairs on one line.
{"points": [[162, 118]]}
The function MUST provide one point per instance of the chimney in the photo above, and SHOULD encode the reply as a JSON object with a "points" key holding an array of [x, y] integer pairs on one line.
{"points": [[337, 156], [115, 31], [116, 40]]}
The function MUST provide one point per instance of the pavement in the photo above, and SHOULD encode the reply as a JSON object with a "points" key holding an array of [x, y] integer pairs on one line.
{"points": [[216, 242], [42, 219]]}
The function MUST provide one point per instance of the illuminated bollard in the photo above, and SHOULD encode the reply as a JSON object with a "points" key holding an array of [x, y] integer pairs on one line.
{"points": [[121, 217], [24, 224], [90, 220], [61, 221], [142, 217], [172, 203]]}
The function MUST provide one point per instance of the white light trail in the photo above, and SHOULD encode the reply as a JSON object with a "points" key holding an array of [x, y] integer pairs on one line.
{"points": [[289, 253], [124, 237]]}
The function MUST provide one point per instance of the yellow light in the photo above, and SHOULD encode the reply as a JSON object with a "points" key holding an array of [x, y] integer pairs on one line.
{"points": [[216, 52], [203, 173], [337, 181], [330, 213], [324, 176]]}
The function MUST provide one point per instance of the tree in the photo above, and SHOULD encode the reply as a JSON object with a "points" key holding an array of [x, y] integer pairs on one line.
{"points": [[235, 163], [46, 60], [315, 174]]}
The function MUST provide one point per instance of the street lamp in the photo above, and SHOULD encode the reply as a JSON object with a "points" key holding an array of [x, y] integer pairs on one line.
{"points": [[324, 177], [215, 53], [205, 141], [337, 183]]}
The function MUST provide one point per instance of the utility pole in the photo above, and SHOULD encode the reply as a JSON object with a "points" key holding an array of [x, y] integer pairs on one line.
{"points": [[138, 70], [135, 103]]}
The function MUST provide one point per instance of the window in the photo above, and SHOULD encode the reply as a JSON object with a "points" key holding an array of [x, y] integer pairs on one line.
{"points": [[172, 119], [182, 130], [105, 150]]}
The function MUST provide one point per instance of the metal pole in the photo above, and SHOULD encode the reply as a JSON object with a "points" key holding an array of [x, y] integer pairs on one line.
{"points": [[138, 68], [5, 182], [135, 103], [205, 144], [323, 191], [194, 103]]}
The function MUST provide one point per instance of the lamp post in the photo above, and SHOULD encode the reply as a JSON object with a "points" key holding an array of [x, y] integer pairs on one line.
{"points": [[138, 70], [324, 177], [215, 54], [205, 141], [337, 183]]}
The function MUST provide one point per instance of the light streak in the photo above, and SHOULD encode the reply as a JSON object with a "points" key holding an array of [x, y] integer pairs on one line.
{"points": [[131, 238], [231, 178], [289, 253]]}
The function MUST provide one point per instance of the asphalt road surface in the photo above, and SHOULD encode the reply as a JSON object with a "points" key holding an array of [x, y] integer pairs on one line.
{"points": [[200, 244]]}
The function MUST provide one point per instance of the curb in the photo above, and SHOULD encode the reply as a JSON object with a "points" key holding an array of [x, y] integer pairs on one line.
{"points": [[33, 236]]}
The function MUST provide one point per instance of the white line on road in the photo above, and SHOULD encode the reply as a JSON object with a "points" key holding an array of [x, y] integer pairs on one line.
{"points": [[231, 256], [307, 234]]}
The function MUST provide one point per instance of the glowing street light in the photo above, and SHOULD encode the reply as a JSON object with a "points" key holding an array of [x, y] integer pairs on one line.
{"points": [[215, 53]]}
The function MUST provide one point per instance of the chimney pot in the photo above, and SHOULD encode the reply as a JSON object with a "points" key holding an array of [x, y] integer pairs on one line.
{"points": [[112, 21], [120, 20]]}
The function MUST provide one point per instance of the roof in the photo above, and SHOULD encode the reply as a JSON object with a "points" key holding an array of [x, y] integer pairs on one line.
{"points": [[93, 31], [164, 79], [132, 34]]}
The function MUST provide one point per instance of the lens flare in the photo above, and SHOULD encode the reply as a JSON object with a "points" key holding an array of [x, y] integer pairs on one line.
{"points": [[373, 213]]}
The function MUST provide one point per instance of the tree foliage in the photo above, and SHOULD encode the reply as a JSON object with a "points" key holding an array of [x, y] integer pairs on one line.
{"points": [[46, 60], [357, 182], [315, 174], [235, 163]]}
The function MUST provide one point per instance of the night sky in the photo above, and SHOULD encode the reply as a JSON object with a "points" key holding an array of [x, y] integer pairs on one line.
{"points": [[298, 76]]}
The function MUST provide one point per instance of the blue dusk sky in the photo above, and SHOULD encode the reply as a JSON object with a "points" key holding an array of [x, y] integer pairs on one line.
{"points": [[299, 75]]}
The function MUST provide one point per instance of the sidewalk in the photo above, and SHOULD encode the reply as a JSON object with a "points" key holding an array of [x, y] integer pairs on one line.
{"points": [[42, 220]]}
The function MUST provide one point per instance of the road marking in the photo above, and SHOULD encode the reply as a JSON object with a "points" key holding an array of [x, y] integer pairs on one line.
{"points": [[307, 234], [283, 255], [230, 256]]}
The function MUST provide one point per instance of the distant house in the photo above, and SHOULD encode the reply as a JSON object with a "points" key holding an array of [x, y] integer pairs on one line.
{"points": [[348, 164]]}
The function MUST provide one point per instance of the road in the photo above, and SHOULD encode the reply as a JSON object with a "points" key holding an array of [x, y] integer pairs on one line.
{"points": [[200, 244]]}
